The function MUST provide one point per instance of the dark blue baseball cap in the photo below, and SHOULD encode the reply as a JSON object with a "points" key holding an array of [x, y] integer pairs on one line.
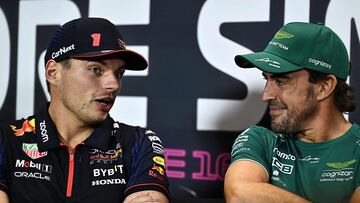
{"points": [[87, 38]]}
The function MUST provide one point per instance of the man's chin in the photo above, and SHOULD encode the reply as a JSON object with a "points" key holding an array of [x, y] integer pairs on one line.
{"points": [[97, 120], [281, 128], [278, 127]]}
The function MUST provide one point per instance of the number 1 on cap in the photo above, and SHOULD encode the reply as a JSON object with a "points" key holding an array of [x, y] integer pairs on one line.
{"points": [[96, 39]]}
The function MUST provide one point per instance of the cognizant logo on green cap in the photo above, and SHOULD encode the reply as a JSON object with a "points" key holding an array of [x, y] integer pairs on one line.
{"points": [[321, 63]]}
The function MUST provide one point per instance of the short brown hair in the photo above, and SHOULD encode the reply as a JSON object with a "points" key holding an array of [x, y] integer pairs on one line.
{"points": [[344, 95]]}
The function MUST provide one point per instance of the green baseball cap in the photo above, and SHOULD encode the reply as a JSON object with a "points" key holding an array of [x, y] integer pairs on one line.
{"points": [[300, 45]]}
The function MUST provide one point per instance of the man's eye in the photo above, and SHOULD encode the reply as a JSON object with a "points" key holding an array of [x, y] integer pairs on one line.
{"points": [[95, 70], [280, 82], [120, 74]]}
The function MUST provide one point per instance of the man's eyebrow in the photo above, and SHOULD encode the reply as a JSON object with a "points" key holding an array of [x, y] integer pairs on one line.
{"points": [[87, 61], [277, 76], [103, 63], [120, 69]]}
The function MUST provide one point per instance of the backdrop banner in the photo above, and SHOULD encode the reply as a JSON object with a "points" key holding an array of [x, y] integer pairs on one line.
{"points": [[192, 95]]}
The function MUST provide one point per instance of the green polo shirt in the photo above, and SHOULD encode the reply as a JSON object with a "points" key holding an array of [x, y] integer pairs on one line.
{"points": [[320, 172]]}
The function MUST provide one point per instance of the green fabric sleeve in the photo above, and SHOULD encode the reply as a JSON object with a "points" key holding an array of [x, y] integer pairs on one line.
{"points": [[251, 145]]}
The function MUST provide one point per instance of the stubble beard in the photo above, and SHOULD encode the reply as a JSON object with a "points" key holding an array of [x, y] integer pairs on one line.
{"points": [[290, 125], [80, 110]]}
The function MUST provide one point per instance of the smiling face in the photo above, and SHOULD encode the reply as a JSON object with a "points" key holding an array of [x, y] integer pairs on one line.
{"points": [[291, 101], [87, 89]]}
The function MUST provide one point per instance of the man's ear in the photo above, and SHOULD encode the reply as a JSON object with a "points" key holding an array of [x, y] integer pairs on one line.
{"points": [[52, 72], [326, 87]]}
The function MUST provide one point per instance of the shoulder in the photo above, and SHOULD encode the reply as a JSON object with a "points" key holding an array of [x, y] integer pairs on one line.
{"points": [[256, 137], [134, 133], [259, 132], [125, 129], [355, 129], [352, 135], [122, 127]]}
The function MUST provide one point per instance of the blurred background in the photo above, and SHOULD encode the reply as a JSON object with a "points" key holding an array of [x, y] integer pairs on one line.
{"points": [[192, 95]]}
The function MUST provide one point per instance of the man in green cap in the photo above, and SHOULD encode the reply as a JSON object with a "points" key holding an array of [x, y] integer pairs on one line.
{"points": [[311, 153]]}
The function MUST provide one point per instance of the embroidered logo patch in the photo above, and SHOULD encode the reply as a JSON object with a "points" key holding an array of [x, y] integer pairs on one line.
{"points": [[27, 126], [31, 149]]}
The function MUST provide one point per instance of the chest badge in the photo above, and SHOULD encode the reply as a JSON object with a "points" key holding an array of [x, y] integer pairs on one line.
{"points": [[32, 150]]}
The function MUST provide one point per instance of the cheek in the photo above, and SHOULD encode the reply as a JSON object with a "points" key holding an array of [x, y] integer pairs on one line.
{"points": [[296, 99], [82, 84], [76, 87]]}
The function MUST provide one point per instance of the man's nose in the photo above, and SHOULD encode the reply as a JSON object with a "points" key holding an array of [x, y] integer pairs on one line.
{"points": [[112, 82], [268, 93]]}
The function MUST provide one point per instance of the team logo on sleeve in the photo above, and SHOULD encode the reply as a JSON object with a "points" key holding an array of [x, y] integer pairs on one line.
{"points": [[159, 169], [154, 138], [147, 132], [159, 160], [155, 142], [32, 150], [157, 148], [27, 126], [157, 172]]}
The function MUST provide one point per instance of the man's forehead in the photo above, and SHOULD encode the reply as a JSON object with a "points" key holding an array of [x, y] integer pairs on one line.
{"points": [[292, 74], [101, 60], [115, 64]]}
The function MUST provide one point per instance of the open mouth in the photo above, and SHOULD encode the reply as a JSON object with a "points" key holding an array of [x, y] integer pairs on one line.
{"points": [[104, 102]]}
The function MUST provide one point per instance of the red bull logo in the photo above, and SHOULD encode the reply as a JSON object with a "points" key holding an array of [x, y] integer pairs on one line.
{"points": [[27, 126], [158, 169]]}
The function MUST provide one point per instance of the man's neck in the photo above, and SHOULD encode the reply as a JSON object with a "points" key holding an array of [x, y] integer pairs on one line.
{"points": [[324, 127], [71, 130]]}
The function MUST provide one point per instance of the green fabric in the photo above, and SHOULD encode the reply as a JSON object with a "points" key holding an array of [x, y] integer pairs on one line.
{"points": [[301, 45], [320, 172]]}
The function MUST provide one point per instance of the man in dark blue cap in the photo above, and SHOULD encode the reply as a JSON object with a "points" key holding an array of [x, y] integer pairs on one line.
{"points": [[72, 150]]}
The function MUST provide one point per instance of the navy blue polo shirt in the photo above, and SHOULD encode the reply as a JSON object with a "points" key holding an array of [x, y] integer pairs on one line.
{"points": [[115, 161]]}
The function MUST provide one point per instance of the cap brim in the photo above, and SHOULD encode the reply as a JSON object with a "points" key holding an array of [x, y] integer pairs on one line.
{"points": [[267, 62], [134, 61]]}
